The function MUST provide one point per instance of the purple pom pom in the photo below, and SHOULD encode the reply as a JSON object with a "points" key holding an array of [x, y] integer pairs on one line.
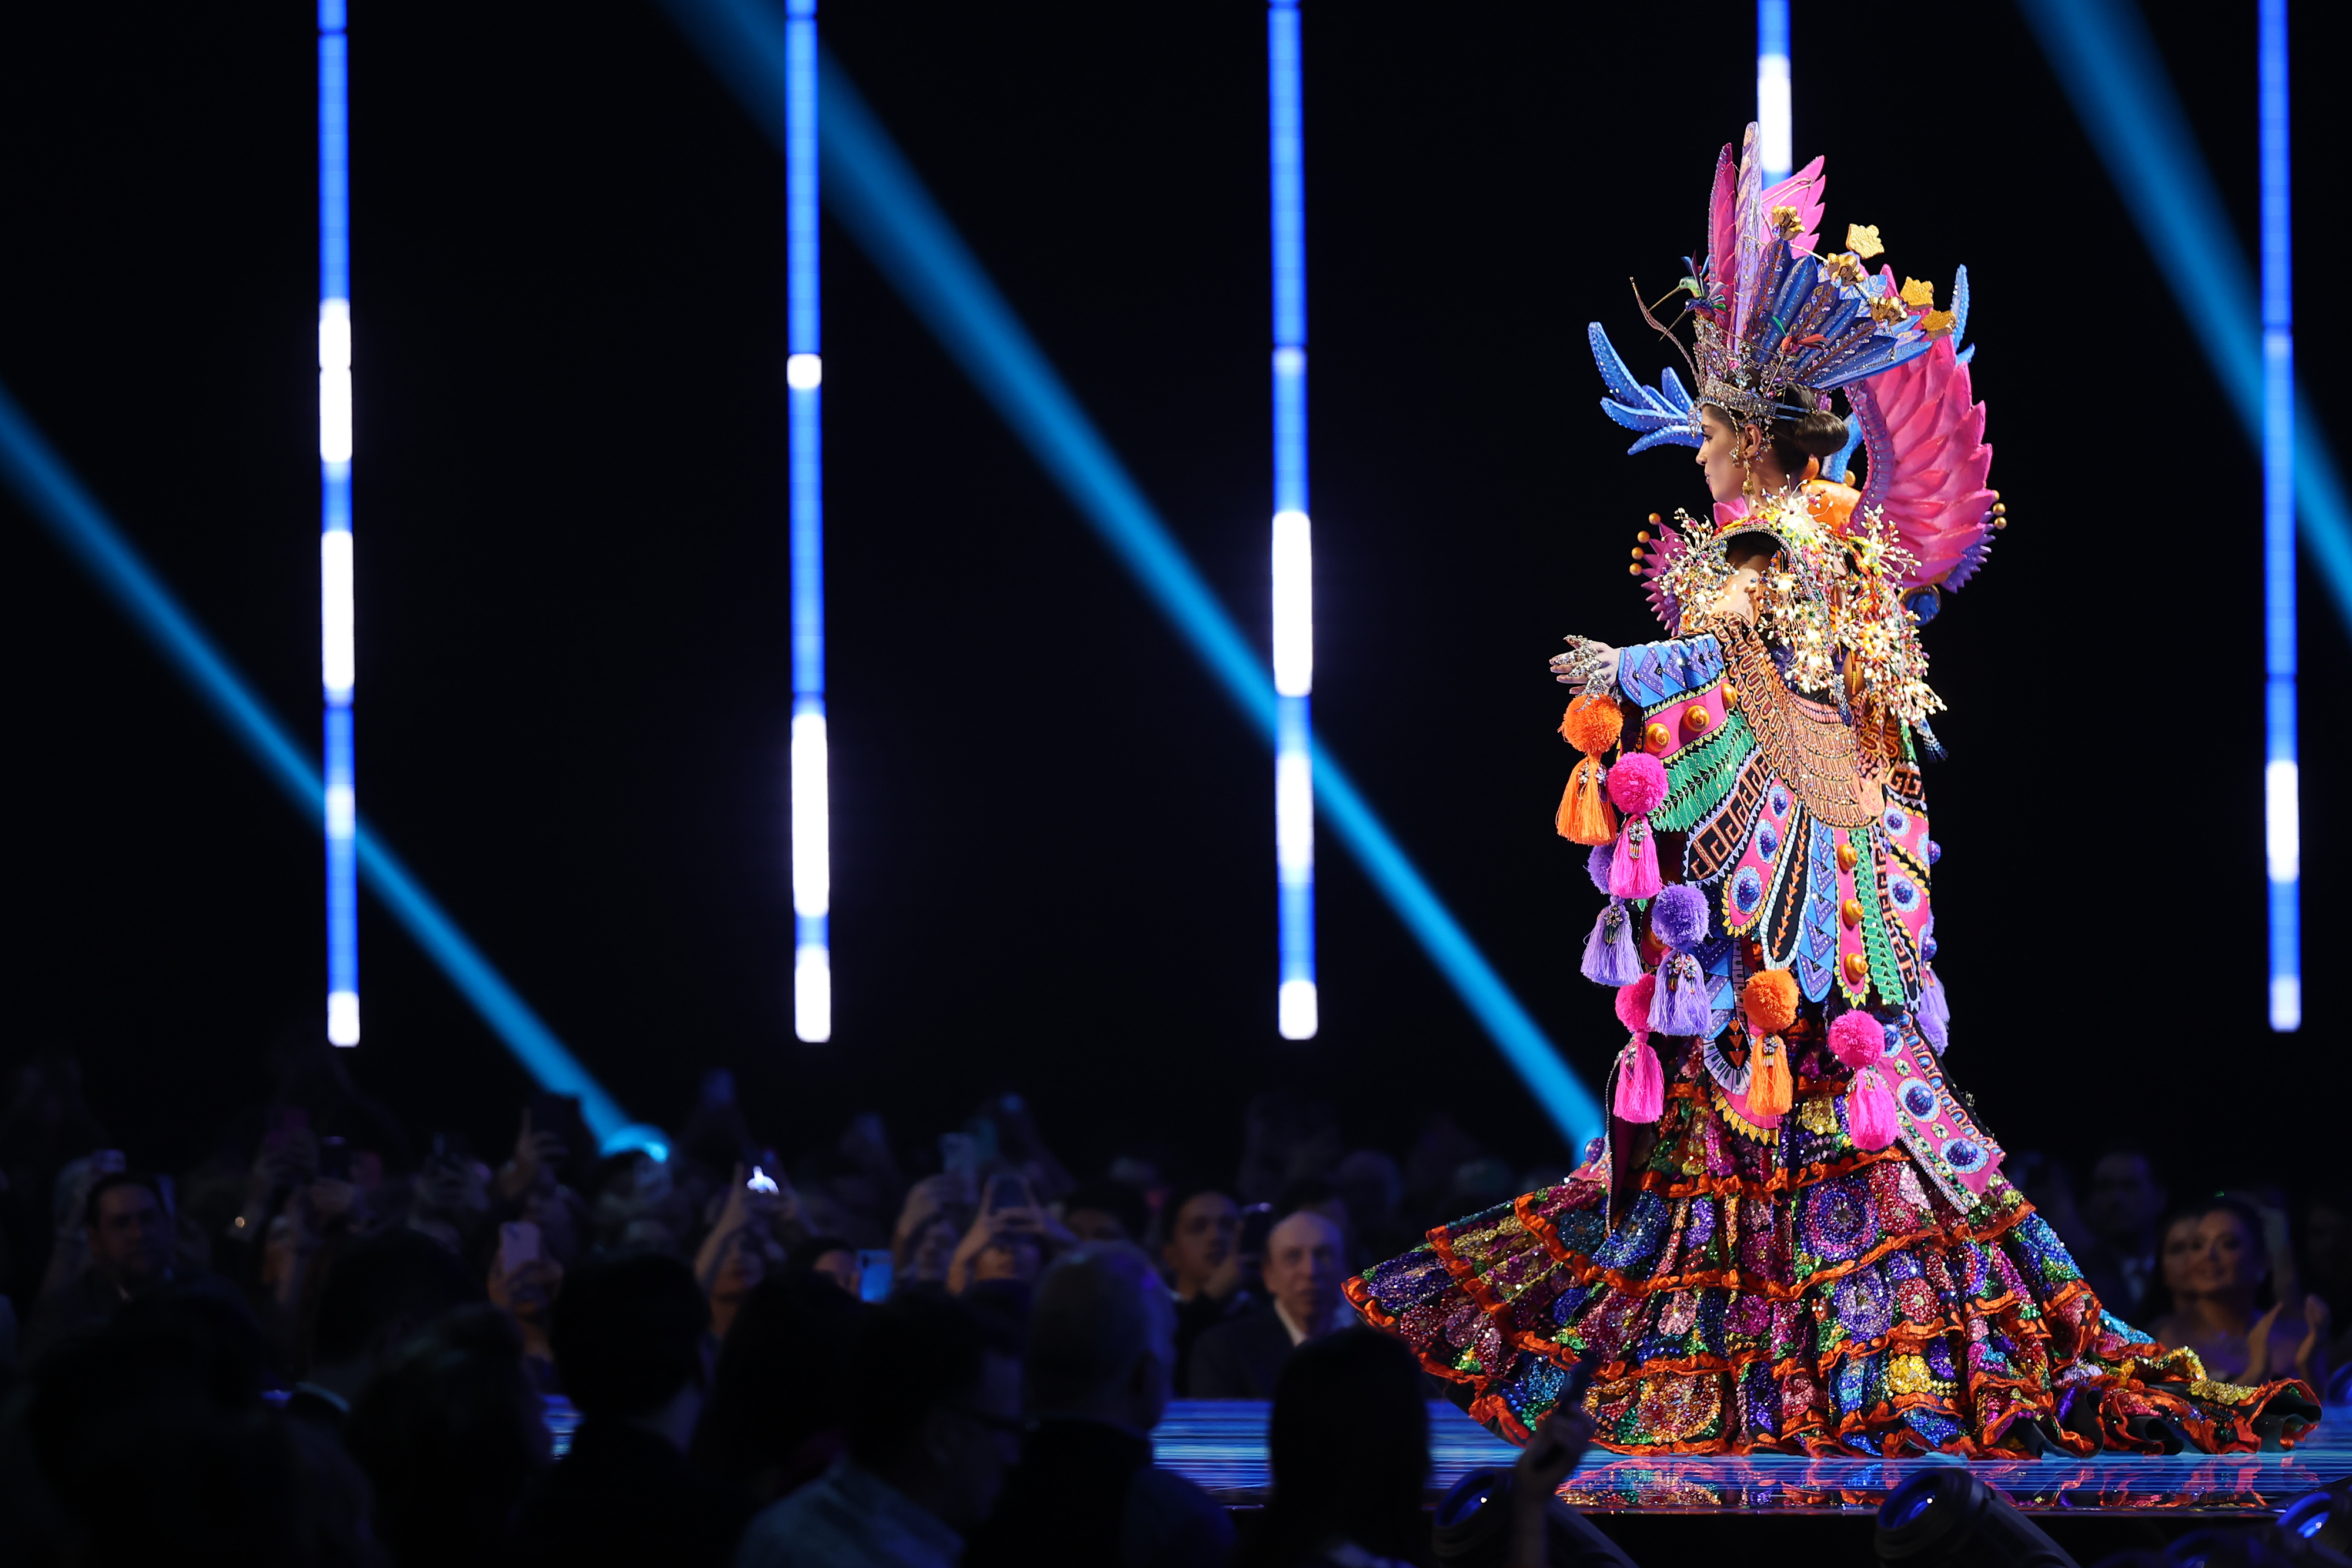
{"points": [[1678, 918], [1596, 865], [1935, 851]]}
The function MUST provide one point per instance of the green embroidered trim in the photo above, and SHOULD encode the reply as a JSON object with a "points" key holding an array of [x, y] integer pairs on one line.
{"points": [[1884, 974], [1702, 774]]}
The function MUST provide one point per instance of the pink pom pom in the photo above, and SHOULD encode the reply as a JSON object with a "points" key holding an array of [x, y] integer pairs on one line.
{"points": [[1857, 1039], [1641, 1084], [1637, 784], [1869, 1110], [1633, 1004]]}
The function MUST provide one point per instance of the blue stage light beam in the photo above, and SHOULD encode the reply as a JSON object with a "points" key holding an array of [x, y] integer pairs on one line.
{"points": [[2103, 56], [337, 659], [1775, 137], [876, 195], [2283, 819], [74, 518], [1294, 551], [804, 382]]}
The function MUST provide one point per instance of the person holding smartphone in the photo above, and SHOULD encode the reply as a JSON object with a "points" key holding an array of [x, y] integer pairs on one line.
{"points": [[1012, 1239]]}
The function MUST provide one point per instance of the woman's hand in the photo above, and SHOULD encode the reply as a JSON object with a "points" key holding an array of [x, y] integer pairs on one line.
{"points": [[1536, 1479], [1586, 666], [986, 1231], [537, 1152], [2258, 1349], [2308, 1363]]}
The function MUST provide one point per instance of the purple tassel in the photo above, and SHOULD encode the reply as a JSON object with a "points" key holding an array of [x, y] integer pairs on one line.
{"points": [[1596, 865], [1610, 956], [1934, 1014], [1679, 1004]]}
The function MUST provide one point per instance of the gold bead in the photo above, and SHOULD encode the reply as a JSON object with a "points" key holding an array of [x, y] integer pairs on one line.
{"points": [[1857, 968], [1639, 552], [1695, 717], [1635, 569], [1846, 857], [1656, 738], [1643, 536], [1850, 912], [1730, 698], [1655, 519]]}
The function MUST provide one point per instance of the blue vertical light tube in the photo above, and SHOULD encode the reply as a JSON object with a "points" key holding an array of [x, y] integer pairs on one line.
{"points": [[1293, 557], [336, 641], [1773, 136], [2282, 808], [805, 378]]}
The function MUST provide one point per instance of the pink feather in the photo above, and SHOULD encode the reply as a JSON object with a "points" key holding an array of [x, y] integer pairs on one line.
{"points": [[1754, 235], [1929, 482], [1722, 223], [1806, 190]]}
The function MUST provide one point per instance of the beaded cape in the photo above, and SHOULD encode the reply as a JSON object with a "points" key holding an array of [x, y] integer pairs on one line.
{"points": [[1796, 1236]]}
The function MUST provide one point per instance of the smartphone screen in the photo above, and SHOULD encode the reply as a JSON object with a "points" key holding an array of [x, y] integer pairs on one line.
{"points": [[873, 1276], [760, 1181]]}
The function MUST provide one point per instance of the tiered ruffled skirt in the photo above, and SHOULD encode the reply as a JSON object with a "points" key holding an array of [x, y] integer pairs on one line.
{"points": [[1787, 1292]]}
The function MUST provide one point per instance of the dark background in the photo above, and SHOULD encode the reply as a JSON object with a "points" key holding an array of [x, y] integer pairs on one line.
{"points": [[1052, 844]]}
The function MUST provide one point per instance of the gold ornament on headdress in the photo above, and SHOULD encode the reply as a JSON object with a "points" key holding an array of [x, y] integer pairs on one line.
{"points": [[1863, 240], [1916, 291]]}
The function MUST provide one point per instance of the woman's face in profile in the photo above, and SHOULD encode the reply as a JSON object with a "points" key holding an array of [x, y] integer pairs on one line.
{"points": [[1718, 453]]}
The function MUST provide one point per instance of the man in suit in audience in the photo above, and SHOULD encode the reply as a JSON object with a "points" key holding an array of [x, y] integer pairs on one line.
{"points": [[1241, 1360]]}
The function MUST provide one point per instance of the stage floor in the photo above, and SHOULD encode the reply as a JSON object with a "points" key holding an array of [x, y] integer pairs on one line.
{"points": [[1221, 1446]]}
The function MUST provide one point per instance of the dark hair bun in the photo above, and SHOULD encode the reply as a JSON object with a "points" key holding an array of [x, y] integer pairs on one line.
{"points": [[1817, 433]]}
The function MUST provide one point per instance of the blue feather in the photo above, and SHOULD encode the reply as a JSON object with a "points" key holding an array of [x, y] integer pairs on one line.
{"points": [[1838, 461], [1964, 355], [1672, 385], [1635, 418], [1612, 367], [1803, 274], [1960, 306], [1666, 435]]}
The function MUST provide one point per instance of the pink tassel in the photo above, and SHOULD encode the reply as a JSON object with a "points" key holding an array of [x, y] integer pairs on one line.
{"points": [[1633, 869], [1869, 1111], [1641, 1084]]}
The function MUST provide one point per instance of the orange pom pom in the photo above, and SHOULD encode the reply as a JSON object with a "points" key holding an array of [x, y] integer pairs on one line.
{"points": [[1584, 815], [1769, 1000], [1592, 724]]}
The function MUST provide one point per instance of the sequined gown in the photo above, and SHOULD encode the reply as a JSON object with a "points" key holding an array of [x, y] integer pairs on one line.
{"points": [[1746, 1282]]}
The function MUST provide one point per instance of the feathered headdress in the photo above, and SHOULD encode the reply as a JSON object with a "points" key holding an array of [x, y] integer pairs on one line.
{"points": [[1773, 323]]}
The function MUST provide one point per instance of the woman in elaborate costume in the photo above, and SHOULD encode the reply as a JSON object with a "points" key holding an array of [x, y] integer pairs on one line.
{"points": [[1795, 1237]]}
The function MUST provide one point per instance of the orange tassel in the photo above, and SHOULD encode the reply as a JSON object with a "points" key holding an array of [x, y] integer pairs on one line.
{"points": [[1585, 815], [1769, 1090]]}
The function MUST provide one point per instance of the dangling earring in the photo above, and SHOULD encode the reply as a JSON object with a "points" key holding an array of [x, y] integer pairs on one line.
{"points": [[1748, 487]]}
